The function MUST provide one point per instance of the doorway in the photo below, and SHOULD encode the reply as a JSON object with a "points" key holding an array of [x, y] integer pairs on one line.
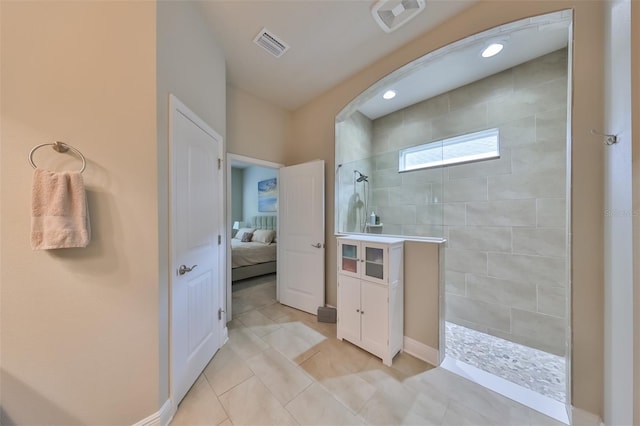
{"points": [[244, 175]]}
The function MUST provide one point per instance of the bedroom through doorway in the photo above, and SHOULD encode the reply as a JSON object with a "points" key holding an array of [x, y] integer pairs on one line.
{"points": [[252, 223]]}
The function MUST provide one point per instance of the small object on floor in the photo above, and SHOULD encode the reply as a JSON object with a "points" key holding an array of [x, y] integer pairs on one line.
{"points": [[326, 314]]}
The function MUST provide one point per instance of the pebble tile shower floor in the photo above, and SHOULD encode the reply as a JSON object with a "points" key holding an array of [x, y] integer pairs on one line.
{"points": [[533, 369]]}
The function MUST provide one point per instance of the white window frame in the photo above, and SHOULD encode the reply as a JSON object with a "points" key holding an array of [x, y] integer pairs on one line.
{"points": [[493, 133]]}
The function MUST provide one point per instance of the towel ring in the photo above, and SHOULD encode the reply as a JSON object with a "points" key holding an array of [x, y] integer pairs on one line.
{"points": [[59, 147]]}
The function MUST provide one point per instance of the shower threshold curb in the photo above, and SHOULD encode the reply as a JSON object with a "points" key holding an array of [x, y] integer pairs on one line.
{"points": [[534, 400]]}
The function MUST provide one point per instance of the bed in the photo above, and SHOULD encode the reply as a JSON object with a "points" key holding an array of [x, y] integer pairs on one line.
{"points": [[257, 254]]}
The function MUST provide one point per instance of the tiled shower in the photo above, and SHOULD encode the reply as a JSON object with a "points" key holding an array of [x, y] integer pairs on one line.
{"points": [[505, 220]]}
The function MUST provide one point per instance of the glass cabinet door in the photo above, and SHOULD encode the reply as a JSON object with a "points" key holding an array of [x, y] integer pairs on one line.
{"points": [[349, 258], [374, 262]]}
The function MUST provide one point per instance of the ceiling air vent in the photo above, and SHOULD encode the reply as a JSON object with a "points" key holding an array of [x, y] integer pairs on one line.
{"points": [[392, 14], [271, 43]]}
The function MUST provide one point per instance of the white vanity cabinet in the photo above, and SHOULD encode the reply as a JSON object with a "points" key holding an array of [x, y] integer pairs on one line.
{"points": [[371, 294]]}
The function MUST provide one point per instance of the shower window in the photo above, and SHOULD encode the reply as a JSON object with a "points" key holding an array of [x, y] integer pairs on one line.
{"points": [[483, 145]]}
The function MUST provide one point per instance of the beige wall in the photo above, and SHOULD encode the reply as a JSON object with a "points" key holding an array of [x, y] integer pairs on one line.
{"points": [[257, 129], [313, 137], [192, 67], [422, 292], [80, 326]]}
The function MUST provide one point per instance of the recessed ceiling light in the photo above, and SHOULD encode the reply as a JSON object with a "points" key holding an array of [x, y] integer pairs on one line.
{"points": [[389, 94], [492, 50]]}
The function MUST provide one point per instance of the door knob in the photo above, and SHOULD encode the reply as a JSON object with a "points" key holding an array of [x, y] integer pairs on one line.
{"points": [[184, 269], [318, 245]]}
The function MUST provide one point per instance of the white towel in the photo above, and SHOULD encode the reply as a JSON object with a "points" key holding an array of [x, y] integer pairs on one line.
{"points": [[59, 214]]}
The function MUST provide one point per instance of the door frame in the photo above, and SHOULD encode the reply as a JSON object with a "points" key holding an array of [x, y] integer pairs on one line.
{"points": [[254, 162], [176, 106], [620, 218]]}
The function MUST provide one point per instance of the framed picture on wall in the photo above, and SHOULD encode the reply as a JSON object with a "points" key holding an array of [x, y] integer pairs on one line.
{"points": [[268, 195]]}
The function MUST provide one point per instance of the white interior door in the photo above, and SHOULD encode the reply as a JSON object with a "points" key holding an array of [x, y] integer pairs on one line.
{"points": [[301, 236], [196, 208]]}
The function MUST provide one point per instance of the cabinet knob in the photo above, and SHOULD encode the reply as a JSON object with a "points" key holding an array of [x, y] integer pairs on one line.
{"points": [[361, 312], [357, 310]]}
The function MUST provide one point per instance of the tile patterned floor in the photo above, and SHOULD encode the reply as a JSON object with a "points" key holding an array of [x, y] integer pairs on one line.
{"points": [[280, 366], [533, 369]]}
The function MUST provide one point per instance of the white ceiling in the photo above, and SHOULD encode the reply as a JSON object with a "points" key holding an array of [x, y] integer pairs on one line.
{"points": [[330, 41]]}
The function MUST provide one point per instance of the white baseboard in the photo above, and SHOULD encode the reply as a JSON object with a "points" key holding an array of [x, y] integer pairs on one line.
{"points": [[581, 417], [421, 351], [160, 418]]}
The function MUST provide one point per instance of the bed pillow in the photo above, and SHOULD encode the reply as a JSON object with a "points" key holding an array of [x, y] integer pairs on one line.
{"points": [[263, 236], [246, 237], [242, 231]]}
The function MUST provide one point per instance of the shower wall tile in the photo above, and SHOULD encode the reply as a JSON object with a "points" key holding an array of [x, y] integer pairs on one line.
{"points": [[388, 125], [469, 324], [526, 341], [502, 292], [470, 261], [421, 177], [486, 314], [426, 111], [527, 185], [470, 189], [552, 301], [552, 212], [502, 213], [480, 238], [380, 197], [379, 143], [539, 157], [419, 195], [540, 241], [397, 215], [551, 126], [455, 282], [498, 166], [518, 132], [527, 102], [431, 214], [413, 133], [455, 214], [384, 130], [356, 136], [436, 231], [537, 270], [460, 121], [548, 67], [385, 179], [492, 87], [386, 161], [538, 329], [392, 229]]}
